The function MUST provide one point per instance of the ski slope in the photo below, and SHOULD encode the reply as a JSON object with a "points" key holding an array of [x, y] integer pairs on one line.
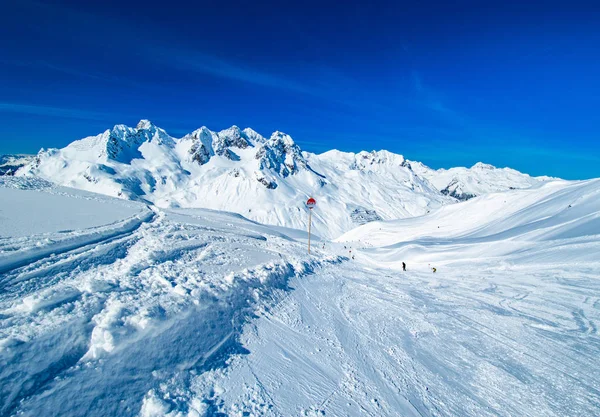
{"points": [[508, 325], [134, 310], [550, 224], [94, 317]]}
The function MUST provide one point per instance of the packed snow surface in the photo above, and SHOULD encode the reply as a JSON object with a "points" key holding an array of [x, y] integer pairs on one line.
{"points": [[142, 311]]}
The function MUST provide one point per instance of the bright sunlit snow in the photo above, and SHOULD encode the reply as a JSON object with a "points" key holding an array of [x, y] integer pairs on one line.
{"points": [[115, 307]]}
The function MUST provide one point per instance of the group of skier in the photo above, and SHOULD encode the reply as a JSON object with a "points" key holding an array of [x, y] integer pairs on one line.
{"points": [[433, 269]]}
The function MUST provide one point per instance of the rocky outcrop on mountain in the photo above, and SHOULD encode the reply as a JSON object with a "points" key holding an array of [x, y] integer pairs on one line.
{"points": [[280, 154]]}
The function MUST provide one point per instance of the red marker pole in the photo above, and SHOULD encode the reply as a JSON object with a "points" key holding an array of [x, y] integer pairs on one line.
{"points": [[309, 222], [310, 203]]}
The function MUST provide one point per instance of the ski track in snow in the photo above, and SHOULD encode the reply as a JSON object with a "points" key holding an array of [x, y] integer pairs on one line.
{"points": [[96, 319], [355, 341], [507, 326], [138, 311]]}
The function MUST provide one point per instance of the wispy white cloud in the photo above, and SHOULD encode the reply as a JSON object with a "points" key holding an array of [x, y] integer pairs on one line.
{"points": [[78, 73], [211, 65], [49, 66], [431, 99], [38, 110], [327, 84]]}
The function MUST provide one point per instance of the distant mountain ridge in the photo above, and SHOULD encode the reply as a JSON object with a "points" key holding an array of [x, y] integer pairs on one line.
{"points": [[466, 183], [10, 164], [266, 180]]}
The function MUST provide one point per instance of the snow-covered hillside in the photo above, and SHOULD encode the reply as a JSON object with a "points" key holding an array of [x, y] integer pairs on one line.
{"points": [[506, 326], [528, 219], [115, 307], [103, 300], [267, 180], [465, 183]]}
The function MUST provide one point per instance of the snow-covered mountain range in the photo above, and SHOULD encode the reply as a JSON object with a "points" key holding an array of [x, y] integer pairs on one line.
{"points": [[9, 164], [466, 183], [264, 179]]}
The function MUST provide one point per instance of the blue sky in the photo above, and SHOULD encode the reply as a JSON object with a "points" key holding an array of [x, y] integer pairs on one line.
{"points": [[446, 83]]}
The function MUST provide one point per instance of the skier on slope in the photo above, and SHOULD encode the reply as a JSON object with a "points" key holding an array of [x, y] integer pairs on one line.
{"points": [[403, 266]]}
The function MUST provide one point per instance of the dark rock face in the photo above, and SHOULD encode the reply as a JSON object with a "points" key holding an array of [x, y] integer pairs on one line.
{"points": [[122, 142], [281, 155], [454, 190], [361, 215], [271, 185], [199, 153], [229, 154], [230, 138]]}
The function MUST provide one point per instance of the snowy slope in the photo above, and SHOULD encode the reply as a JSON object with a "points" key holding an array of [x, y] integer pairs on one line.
{"points": [[511, 224], [95, 317], [264, 179], [508, 325], [133, 310], [465, 183]]}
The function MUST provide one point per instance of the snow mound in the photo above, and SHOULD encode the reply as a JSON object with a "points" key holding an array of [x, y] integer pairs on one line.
{"points": [[25, 183]]}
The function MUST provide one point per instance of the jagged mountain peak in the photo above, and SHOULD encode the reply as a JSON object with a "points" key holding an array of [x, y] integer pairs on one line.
{"points": [[230, 138], [196, 134], [233, 131], [281, 155], [254, 136], [144, 124], [372, 160], [119, 144], [123, 142], [281, 139], [481, 166], [206, 143]]}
